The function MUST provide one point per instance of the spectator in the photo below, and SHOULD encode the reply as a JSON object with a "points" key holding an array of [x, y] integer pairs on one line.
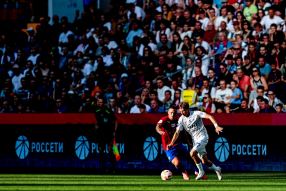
{"points": [[134, 32], [260, 96], [244, 82], [224, 74], [265, 108], [274, 79], [167, 101], [16, 80], [145, 96], [126, 105], [190, 95], [231, 67], [208, 105], [256, 81], [222, 98], [221, 18], [220, 47], [161, 89], [63, 38], [154, 95], [274, 101], [142, 108], [247, 66], [250, 11], [210, 34], [279, 108], [137, 101], [155, 108], [235, 98], [212, 78], [244, 108], [60, 108], [177, 97], [208, 90], [88, 106], [269, 19], [113, 106]]}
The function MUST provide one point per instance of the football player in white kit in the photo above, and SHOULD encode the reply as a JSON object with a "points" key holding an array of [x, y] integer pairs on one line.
{"points": [[192, 122]]}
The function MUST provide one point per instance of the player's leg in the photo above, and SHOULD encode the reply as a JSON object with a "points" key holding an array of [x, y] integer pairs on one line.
{"points": [[173, 158], [102, 157], [209, 164], [198, 148], [112, 157], [182, 150], [191, 161]]}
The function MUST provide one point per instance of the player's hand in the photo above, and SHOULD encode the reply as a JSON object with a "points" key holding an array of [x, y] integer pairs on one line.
{"points": [[169, 146], [218, 129], [162, 133], [96, 127]]}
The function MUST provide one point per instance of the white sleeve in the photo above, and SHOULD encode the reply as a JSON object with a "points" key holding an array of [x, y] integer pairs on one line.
{"points": [[201, 114], [213, 91], [262, 22], [255, 105], [180, 126]]}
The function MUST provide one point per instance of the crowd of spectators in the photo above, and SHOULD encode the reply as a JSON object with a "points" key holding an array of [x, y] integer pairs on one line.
{"points": [[135, 56]]}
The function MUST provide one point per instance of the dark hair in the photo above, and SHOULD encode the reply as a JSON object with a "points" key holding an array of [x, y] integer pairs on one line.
{"points": [[184, 105], [154, 92], [273, 25], [259, 97], [173, 107], [212, 69], [168, 91], [202, 48], [265, 101], [233, 81], [244, 99], [260, 88], [280, 105]]}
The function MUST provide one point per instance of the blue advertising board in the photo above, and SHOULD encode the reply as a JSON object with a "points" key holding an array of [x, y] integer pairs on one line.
{"points": [[238, 148]]}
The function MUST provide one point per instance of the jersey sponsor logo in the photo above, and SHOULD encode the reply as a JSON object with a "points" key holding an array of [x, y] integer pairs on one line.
{"points": [[82, 147], [221, 149], [173, 125], [22, 147], [150, 148]]}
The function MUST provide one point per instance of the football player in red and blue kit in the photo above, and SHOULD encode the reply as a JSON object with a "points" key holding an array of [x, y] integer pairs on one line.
{"points": [[166, 127]]}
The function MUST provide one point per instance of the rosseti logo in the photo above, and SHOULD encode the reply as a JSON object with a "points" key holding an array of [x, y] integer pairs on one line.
{"points": [[150, 148], [82, 147], [22, 147], [221, 149]]}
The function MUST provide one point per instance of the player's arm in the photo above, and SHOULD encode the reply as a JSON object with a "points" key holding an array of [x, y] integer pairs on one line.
{"points": [[212, 119], [158, 129], [175, 137]]}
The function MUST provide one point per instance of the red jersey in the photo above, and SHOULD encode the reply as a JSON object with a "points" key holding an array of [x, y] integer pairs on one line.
{"points": [[169, 127]]}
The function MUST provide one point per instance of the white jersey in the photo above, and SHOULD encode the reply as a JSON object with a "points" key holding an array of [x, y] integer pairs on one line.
{"points": [[194, 125]]}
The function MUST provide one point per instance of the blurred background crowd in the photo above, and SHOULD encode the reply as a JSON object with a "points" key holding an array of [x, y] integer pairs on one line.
{"points": [[143, 56]]}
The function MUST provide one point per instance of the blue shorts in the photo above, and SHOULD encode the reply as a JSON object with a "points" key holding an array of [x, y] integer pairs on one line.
{"points": [[175, 150]]}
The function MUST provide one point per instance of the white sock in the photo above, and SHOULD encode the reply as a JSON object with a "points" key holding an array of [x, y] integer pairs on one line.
{"points": [[200, 167], [213, 167]]}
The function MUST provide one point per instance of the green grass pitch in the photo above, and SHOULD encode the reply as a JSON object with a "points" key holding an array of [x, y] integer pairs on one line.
{"points": [[231, 181]]}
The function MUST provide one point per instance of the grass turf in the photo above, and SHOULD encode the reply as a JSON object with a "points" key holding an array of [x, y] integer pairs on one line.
{"points": [[231, 181]]}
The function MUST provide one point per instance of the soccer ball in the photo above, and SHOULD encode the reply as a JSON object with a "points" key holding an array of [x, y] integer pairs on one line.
{"points": [[166, 175]]}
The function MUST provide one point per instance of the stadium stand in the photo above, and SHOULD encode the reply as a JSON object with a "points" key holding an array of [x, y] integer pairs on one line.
{"points": [[227, 57]]}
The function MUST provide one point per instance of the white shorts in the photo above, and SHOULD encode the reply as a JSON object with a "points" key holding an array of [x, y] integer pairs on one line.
{"points": [[200, 147]]}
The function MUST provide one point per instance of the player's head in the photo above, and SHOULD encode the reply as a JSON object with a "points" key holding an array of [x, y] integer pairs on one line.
{"points": [[184, 108], [172, 112]]}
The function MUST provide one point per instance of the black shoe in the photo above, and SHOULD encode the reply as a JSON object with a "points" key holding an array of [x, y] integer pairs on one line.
{"points": [[106, 171]]}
